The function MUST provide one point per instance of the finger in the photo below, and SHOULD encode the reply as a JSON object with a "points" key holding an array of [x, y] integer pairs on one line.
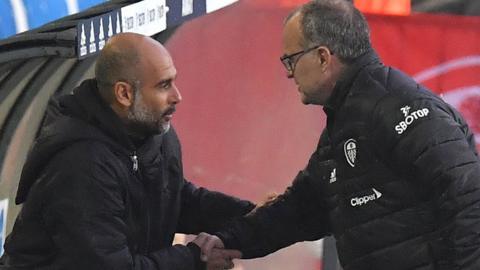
{"points": [[216, 264], [200, 241], [229, 264], [230, 253], [220, 264], [212, 242]]}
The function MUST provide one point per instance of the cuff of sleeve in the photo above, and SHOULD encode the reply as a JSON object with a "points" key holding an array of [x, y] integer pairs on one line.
{"points": [[196, 252]]}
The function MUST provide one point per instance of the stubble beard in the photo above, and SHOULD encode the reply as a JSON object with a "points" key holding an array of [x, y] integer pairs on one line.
{"points": [[144, 119]]}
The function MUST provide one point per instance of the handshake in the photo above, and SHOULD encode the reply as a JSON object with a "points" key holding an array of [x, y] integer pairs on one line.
{"points": [[214, 254]]}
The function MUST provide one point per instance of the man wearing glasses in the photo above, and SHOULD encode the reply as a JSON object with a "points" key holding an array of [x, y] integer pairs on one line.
{"points": [[395, 177]]}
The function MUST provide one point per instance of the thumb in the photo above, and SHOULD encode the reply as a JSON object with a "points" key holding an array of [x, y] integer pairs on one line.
{"points": [[212, 242], [232, 253]]}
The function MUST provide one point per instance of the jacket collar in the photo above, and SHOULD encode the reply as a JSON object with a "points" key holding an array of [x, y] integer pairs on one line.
{"points": [[343, 85], [87, 104]]}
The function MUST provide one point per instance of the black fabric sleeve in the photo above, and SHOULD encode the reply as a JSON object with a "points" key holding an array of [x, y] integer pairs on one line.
{"points": [[197, 252], [208, 211], [84, 212], [433, 149], [299, 214]]}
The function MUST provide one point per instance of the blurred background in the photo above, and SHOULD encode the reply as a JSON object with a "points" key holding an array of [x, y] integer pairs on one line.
{"points": [[243, 128], [20, 15]]}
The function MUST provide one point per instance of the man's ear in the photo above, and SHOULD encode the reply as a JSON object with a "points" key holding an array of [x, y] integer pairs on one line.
{"points": [[324, 56], [123, 93]]}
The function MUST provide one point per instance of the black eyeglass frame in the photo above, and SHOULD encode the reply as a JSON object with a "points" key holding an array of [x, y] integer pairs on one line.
{"points": [[289, 62]]}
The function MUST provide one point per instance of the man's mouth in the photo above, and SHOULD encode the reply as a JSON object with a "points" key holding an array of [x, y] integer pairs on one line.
{"points": [[168, 114], [168, 118]]}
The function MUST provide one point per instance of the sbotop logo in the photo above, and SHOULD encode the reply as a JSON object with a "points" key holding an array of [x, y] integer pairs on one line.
{"points": [[409, 118]]}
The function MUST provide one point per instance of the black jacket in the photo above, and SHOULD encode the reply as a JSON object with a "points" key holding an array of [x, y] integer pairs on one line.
{"points": [[93, 200], [395, 178]]}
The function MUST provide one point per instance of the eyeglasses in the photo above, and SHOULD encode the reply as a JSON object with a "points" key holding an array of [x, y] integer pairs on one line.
{"points": [[290, 60]]}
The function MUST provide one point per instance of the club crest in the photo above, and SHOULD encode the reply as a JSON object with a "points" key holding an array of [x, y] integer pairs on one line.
{"points": [[350, 149]]}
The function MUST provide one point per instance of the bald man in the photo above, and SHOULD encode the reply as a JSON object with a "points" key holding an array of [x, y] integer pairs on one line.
{"points": [[103, 187]]}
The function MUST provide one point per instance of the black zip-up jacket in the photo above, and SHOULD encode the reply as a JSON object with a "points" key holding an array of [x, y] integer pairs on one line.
{"points": [[395, 178], [92, 200]]}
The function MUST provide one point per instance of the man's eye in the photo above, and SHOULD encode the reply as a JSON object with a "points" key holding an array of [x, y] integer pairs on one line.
{"points": [[166, 84]]}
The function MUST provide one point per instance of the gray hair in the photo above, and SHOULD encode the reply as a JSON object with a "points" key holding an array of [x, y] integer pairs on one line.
{"points": [[336, 24]]}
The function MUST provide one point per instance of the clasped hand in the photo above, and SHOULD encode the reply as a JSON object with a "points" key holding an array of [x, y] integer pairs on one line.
{"points": [[214, 253]]}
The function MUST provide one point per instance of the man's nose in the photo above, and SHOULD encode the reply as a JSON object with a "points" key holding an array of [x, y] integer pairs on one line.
{"points": [[289, 73], [176, 97]]}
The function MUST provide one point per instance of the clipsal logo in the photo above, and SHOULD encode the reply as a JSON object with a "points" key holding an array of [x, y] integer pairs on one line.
{"points": [[409, 118], [359, 201]]}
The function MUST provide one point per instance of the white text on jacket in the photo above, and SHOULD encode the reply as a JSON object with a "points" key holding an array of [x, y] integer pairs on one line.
{"points": [[358, 201], [402, 126]]}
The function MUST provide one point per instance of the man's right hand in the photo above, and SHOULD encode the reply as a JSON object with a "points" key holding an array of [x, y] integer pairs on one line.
{"points": [[214, 254], [222, 258]]}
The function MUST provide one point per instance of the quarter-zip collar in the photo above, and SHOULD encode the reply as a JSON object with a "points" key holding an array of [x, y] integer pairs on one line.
{"points": [[98, 113], [88, 105], [344, 84]]}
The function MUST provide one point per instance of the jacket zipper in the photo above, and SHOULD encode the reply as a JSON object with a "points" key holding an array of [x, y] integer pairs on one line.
{"points": [[134, 159]]}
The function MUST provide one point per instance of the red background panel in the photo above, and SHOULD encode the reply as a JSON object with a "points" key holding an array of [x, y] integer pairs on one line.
{"points": [[241, 122]]}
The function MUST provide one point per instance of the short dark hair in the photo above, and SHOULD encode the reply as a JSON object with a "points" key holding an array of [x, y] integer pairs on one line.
{"points": [[116, 64], [338, 25]]}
